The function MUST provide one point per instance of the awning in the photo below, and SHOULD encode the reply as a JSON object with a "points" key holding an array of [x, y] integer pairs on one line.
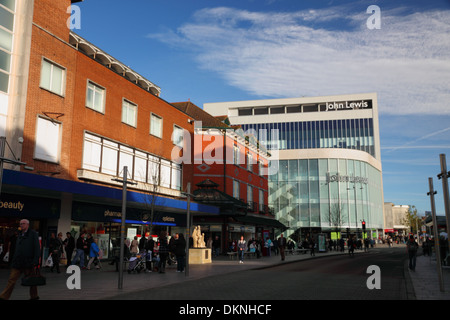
{"points": [[269, 222]]}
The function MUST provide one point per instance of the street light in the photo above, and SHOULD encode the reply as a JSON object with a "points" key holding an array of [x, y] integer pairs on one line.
{"points": [[188, 225], [122, 228]]}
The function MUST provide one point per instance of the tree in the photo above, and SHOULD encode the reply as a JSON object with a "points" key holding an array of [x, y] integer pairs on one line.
{"points": [[412, 220], [336, 217]]}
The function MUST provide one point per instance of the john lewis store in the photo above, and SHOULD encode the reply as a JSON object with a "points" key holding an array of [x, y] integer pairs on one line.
{"points": [[329, 176]]}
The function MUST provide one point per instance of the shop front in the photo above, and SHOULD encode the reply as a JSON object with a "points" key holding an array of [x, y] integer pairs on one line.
{"points": [[104, 222], [13, 208]]}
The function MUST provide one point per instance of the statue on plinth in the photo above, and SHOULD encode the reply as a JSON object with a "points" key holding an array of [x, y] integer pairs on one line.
{"points": [[198, 238]]}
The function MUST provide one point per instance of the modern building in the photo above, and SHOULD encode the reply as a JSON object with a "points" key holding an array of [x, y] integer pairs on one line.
{"points": [[230, 172], [74, 117], [329, 177], [395, 219]]}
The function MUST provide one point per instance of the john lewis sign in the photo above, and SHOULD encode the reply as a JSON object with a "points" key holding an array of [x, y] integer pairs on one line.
{"points": [[348, 105]]}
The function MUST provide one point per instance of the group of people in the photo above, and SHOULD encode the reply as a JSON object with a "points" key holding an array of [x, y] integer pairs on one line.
{"points": [[157, 252]]}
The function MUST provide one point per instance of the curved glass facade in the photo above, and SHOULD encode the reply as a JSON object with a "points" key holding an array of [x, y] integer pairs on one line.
{"points": [[308, 193]]}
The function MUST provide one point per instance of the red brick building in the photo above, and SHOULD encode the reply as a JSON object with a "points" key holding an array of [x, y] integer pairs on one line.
{"points": [[76, 116]]}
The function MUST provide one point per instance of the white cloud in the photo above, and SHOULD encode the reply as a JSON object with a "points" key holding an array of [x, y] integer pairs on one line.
{"points": [[304, 54]]}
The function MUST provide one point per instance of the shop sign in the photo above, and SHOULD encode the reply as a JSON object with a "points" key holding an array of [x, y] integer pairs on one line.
{"points": [[341, 178], [348, 105], [29, 207]]}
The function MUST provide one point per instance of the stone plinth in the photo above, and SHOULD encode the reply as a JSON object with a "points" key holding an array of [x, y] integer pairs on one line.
{"points": [[199, 255]]}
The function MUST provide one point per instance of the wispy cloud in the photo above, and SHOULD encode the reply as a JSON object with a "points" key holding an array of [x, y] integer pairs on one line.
{"points": [[307, 53]]}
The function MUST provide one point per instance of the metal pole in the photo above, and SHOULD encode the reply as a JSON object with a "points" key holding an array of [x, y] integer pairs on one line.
{"points": [[444, 174], [188, 228], [435, 232], [122, 228]]}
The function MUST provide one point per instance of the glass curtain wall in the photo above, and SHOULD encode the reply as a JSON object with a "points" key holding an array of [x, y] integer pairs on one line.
{"points": [[326, 193]]}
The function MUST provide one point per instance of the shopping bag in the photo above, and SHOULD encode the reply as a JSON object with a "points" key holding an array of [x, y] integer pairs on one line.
{"points": [[49, 262], [34, 279]]}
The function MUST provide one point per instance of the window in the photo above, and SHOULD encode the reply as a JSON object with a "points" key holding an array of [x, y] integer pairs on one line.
{"points": [[245, 112], [95, 97], [156, 125], [261, 200], [48, 140], [177, 136], [109, 157], [92, 152], [249, 161], [7, 8], [236, 155], [129, 113], [249, 194], [53, 77], [236, 189]]}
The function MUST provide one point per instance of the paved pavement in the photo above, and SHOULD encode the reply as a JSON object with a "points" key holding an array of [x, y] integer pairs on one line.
{"points": [[103, 284]]}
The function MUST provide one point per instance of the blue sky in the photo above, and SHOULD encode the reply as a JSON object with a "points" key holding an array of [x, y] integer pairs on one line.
{"points": [[229, 50]]}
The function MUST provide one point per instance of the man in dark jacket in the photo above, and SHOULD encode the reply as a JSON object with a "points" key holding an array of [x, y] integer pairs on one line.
{"points": [[26, 258]]}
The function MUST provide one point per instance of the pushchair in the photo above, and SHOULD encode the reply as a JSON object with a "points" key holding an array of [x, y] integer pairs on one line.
{"points": [[137, 263]]}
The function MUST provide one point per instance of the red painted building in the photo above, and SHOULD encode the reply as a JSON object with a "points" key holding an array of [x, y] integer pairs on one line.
{"points": [[229, 172]]}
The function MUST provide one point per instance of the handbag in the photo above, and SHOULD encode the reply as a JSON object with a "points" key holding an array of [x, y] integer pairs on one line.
{"points": [[49, 262], [34, 279]]}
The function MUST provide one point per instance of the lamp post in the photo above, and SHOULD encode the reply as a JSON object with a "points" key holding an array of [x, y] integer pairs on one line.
{"points": [[122, 228], [188, 225], [435, 232], [444, 176]]}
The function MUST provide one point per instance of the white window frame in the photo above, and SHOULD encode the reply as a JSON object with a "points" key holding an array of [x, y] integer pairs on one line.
{"points": [[48, 140], [127, 105], [177, 136], [249, 194], [96, 90], [249, 162], [50, 86], [236, 154], [236, 187], [156, 134]]}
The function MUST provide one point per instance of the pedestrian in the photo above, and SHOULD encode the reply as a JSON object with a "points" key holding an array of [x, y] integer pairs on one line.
{"points": [[282, 246], [87, 246], [150, 248], [412, 252], [94, 252], [216, 246], [134, 246], [241, 247], [351, 246], [180, 251], [55, 248], [25, 259], [69, 245], [163, 251], [312, 246], [269, 246], [79, 254]]}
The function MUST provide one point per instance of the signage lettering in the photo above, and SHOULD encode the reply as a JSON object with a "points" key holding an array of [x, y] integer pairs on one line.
{"points": [[12, 205], [349, 105], [352, 179]]}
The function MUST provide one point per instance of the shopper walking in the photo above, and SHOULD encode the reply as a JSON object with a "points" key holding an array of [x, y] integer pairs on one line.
{"points": [[25, 259], [412, 247], [69, 247], [282, 246]]}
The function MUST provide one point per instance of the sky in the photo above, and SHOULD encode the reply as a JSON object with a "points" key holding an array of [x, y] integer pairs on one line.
{"points": [[232, 50]]}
